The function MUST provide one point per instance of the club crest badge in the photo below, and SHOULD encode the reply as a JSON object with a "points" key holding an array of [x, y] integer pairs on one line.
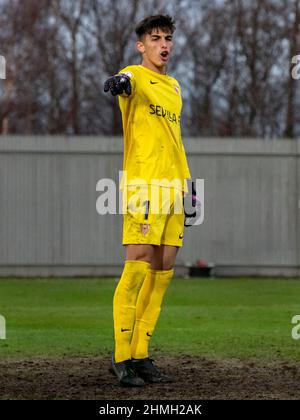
{"points": [[145, 229]]}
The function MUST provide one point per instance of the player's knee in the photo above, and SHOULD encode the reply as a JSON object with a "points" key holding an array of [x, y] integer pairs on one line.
{"points": [[139, 253], [168, 261], [167, 265]]}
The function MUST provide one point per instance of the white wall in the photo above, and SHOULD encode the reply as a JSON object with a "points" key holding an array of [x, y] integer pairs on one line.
{"points": [[49, 224]]}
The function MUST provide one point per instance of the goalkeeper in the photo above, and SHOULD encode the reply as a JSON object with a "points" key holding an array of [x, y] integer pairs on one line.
{"points": [[154, 164]]}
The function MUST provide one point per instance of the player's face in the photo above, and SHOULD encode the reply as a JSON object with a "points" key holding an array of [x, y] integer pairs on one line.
{"points": [[156, 50]]}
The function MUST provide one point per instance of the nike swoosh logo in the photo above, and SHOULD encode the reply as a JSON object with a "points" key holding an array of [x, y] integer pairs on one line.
{"points": [[124, 329], [153, 83], [149, 335]]}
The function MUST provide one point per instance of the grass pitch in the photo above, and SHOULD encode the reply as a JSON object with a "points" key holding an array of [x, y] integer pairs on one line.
{"points": [[219, 318]]}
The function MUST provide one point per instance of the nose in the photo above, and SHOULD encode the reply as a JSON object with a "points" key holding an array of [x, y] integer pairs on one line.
{"points": [[164, 44]]}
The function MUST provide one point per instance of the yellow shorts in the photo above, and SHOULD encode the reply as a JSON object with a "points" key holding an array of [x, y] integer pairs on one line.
{"points": [[153, 215]]}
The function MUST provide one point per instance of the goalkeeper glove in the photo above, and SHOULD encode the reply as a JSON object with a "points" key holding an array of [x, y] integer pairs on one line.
{"points": [[118, 84]]}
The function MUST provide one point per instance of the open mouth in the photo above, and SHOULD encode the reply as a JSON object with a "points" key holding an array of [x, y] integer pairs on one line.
{"points": [[164, 55]]}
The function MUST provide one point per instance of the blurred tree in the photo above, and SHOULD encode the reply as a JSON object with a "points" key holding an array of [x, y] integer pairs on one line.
{"points": [[293, 37], [207, 34], [259, 35], [70, 15], [110, 26], [17, 47], [232, 58]]}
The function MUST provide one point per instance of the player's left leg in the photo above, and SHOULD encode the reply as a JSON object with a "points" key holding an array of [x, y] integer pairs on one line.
{"points": [[148, 308]]}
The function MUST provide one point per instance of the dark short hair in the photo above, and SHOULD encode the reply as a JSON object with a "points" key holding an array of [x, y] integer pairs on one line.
{"points": [[164, 22]]}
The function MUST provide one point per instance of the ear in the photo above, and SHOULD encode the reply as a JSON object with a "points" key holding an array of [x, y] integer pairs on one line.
{"points": [[140, 47]]}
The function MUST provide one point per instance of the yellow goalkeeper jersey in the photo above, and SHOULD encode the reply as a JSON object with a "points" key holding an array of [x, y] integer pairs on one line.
{"points": [[153, 148]]}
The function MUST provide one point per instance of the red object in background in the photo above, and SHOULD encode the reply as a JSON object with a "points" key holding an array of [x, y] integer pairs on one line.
{"points": [[201, 269], [201, 263]]}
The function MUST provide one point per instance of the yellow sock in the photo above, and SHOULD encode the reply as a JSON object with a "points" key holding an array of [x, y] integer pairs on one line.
{"points": [[124, 306], [148, 309]]}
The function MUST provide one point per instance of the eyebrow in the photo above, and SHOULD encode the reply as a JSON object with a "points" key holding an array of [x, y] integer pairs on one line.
{"points": [[159, 36]]}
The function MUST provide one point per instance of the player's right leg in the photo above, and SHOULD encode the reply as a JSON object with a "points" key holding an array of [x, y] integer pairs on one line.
{"points": [[137, 263]]}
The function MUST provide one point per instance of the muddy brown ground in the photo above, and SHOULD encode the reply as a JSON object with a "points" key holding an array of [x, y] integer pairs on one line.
{"points": [[196, 378]]}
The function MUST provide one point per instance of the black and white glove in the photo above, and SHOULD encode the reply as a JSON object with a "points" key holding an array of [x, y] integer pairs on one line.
{"points": [[118, 84]]}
